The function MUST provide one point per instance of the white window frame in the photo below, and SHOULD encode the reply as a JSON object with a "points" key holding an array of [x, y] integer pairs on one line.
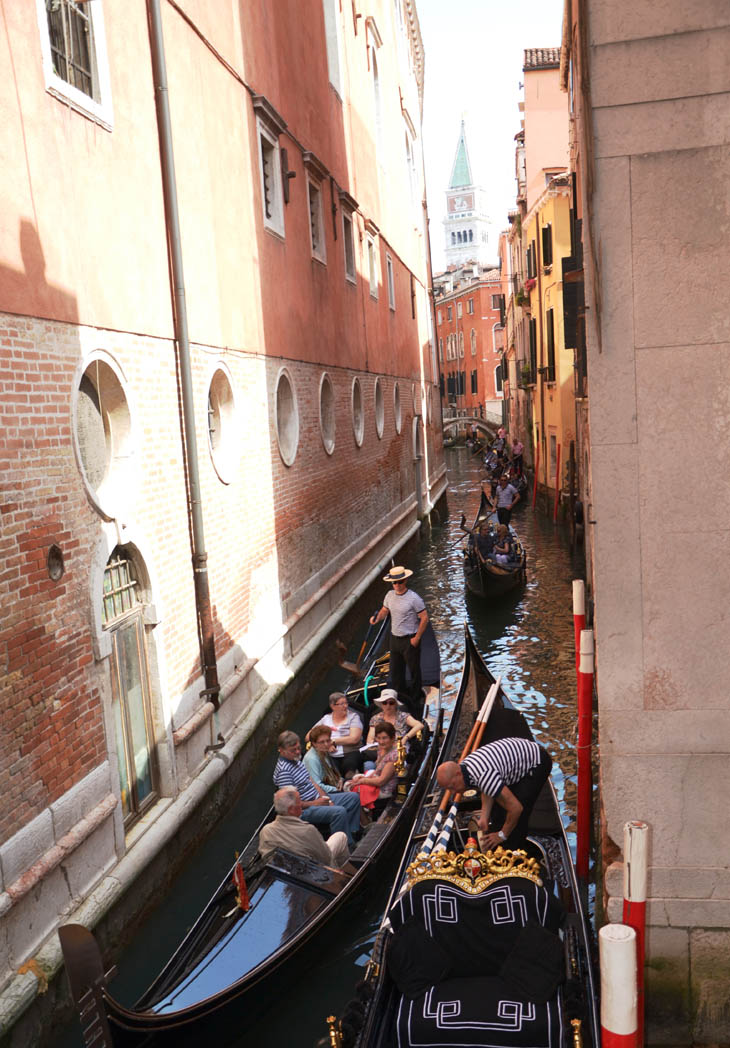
{"points": [[459, 311], [274, 221], [331, 10], [100, 110], [391, 281], [348, 237], [373, 265], [470, 305], [315, 206]]}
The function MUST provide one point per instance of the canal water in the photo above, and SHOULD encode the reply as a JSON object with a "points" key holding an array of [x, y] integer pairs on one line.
{"points": [[527, 636]]}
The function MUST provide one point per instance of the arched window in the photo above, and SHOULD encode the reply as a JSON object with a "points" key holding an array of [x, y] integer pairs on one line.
{"points": [[453, 238], [471, 235]]}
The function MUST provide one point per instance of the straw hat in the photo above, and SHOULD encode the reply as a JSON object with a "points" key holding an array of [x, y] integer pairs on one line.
{"points": [[397, 575]]}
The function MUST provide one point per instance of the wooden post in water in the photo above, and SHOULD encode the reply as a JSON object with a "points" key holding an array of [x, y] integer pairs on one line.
{"points": [[537, 466], [636, 847], [579, 616], [585, 724], [617, 950], [557, 485]]}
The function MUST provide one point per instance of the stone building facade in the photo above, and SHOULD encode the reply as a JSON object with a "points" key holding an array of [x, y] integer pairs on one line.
{"points": [[310, 406]]}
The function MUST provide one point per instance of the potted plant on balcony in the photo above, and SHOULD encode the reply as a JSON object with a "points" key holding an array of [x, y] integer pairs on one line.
{"points": [[530, 284], [526, 374], [522, 298]]}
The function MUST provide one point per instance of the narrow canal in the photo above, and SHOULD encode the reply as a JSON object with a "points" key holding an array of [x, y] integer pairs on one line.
{"points": [[527, 636]]}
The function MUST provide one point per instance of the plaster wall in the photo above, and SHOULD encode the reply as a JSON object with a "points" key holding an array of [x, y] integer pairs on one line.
{"points": [[659, 374], [546, 129]]}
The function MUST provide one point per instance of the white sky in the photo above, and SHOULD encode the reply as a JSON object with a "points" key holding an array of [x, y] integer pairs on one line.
{"points": [[474, 55]]}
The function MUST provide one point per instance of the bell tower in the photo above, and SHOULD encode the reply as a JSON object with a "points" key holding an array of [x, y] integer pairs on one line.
{"points": [[469, 233]]}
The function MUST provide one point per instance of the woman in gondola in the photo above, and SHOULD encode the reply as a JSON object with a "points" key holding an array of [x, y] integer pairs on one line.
{"points": [[503, 550], [346, 728], [383, 776], [392, 711]]}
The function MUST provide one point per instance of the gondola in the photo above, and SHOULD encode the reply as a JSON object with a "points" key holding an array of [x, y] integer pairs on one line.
{"points": [[233, 956], [460, 914], [491, 579]]}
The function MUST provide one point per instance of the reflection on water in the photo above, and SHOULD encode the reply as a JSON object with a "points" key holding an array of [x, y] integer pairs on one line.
{"points": [[526, 636]]}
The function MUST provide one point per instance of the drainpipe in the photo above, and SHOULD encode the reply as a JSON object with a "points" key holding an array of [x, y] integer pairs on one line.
{"points": [[540, 371], [180, 322]]}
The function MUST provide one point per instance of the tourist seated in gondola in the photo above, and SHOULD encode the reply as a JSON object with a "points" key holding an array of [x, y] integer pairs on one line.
{"points": [[392, 711], [503, 551], [328, 811], [383, 776], [484, 542], [318, 760], [291, 832], [347, 727]]}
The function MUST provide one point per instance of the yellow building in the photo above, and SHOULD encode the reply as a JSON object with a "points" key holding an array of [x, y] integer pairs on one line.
{"points": [[548, 367]]}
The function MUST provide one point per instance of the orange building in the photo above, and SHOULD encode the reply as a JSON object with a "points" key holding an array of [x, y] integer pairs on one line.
{"points": [[213, 316]]}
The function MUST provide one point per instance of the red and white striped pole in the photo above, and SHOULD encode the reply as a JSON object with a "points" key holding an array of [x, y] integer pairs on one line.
{"points": [[579, 616], [636, 850], [557, 485], [585, 731], [617, 951]]}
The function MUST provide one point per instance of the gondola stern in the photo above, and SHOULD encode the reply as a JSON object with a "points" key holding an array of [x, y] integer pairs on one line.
{"points": [[88, 980]]}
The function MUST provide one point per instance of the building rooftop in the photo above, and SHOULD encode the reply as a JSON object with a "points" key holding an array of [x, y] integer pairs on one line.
{"points": [[541, 58]]}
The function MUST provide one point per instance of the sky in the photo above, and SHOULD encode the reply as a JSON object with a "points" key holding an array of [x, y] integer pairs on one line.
{"points": [[474, 57]]}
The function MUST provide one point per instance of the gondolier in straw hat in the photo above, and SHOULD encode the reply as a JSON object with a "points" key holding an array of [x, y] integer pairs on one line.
{"points": [[408, 620]]}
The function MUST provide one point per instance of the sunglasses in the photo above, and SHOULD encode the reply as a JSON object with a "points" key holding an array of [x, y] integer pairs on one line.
{"points": [[387, 702]]}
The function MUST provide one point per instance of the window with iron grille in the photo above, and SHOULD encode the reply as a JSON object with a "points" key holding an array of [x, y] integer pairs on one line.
{"points": [[349, 240], [271, 193], [121, 588], [73, 48], [316, 221]]}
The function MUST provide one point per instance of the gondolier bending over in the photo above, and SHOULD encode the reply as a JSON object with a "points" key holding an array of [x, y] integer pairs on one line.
{"points": [[510, 771], [408, 620]]}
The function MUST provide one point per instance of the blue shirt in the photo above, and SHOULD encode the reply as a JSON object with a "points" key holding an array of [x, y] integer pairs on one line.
{"points": [[293, 773]]}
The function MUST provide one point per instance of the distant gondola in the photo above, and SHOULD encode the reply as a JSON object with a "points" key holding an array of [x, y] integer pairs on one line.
{"points": [[231, 953], [490, 579], [479, 948]]}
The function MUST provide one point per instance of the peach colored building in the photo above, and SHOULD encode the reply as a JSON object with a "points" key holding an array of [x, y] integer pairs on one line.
{"points": [[176, 423], [649, 91]]}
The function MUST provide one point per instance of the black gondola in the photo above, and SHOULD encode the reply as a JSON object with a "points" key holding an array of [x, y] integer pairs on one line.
{"points": [[230, 951], [462, 908], [490, 579]]}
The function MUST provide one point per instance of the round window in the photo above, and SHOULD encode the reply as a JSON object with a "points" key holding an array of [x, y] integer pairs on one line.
{"points": [[379, 408], [358, 415], [287, 418], [327, 413], [397, 410], [103, 436], [223, 442]]}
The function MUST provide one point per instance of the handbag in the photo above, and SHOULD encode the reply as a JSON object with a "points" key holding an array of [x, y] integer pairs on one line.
{"points": [[368, 794]]}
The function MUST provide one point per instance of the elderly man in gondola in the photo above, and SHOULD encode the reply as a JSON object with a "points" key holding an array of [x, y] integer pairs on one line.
{"points": [[290, 831], [330, 812], [509, 771]]}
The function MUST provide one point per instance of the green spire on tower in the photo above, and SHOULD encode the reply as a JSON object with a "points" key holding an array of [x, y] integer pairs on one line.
{"points": [[461, 171]]}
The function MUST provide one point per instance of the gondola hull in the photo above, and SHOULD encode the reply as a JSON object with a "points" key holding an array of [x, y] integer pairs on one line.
{"points": [[445, 1014], [491, 579], [232, 960]]}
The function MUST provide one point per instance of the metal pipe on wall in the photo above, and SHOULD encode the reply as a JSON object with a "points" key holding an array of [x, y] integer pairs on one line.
{"points": [[180, 322]]}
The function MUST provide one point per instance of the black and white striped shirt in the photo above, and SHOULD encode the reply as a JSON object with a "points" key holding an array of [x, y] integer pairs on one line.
{"points": [[500, 763]]}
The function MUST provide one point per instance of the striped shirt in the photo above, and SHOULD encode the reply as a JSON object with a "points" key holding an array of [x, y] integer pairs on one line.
{"points": [[293, 773], [500, 763]]}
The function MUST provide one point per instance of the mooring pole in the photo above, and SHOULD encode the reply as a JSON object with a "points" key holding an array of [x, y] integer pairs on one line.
{"points": [[636, 848], [585, 723]]}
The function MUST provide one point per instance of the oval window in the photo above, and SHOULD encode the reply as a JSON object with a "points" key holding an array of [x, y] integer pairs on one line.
{"points": [[223, 444], [397, 410], [379, 408], [358, 415], [287, 418], [327, 413]]}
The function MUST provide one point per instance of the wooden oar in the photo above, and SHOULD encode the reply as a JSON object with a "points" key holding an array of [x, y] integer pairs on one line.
{"points": [[354, 667], [475, 737]]}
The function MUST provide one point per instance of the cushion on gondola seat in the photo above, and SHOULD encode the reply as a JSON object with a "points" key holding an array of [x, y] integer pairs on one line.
{"points": [[475, 933], [535, 966], [481, 1012], [415, 961]]}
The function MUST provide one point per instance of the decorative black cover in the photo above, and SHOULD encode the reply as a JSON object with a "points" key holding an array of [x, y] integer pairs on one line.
{"points": [[535, 966], [477, 1013]]}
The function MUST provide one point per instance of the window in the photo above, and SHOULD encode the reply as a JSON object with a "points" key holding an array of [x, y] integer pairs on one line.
{"points": [[271, 194], [441, 349], [224, 442], [533, 349], [411, 166], [547, 245], [286, 416], [531, 261], [498, 385], [379, 409], [473, 339], [553, 455], [496, 299], [348, 237], [373, 267], [391, 281], [73, 49], [327, 413], [358, 414], [449, 313], [550, 337], [332, 37], [459, 310], [374, 42], [316, 221], [470, 305], [122, 616], [438, 317], [397, 410], [474, 382], [461, 344]]}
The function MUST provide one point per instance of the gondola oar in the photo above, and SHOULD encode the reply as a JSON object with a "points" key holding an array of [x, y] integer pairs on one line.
{"points": [[472, 742], [354, 667], [448, 824]]}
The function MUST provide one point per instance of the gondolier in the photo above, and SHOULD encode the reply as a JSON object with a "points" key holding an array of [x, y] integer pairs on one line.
{"points": [[506, 498], [510, 771], [408, 620]]}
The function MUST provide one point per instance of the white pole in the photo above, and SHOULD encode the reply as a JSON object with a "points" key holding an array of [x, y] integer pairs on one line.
{"points": [[617, 949]]}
